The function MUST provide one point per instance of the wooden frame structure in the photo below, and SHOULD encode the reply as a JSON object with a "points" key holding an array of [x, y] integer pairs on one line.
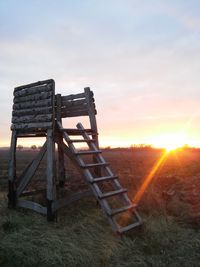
{"points": [[38, 112]]}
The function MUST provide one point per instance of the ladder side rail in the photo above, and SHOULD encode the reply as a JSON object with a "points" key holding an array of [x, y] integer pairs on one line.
{"points": [[115, 182], [87, 173]]}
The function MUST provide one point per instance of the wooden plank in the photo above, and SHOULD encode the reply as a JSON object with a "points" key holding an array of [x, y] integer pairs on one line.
{"points": [[61, 169], [88, 178], [68, 200], [71, 103], [124, 198], [33, 192], [31, 126], [70, 155], [74, 108], [35, 97], [12, 157], [32, 111], [33, 104], [129, 227], [113, 193], [88, 152], [45, 82], [26, 204], [32, 118], [50, 164], [71, 131], [30, 170], [31, 135], [50, 172], [91, 112], [73, 96], [67, 114], [12, 172], [92, 117]]}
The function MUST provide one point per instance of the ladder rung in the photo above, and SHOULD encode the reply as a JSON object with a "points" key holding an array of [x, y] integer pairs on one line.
{"points": [[113, 193], [122, 209], [95, 165], [129, 227], [88, 152], [105, 178], [77, 131], [81, 140]]}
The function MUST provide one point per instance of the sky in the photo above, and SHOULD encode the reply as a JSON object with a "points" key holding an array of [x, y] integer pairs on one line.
{"points": [[141, 58]]}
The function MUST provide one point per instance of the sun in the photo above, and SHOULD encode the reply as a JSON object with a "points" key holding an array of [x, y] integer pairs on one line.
{"points": [[171, 141]]}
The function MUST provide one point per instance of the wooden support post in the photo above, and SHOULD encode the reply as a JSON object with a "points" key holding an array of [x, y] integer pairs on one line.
{"points": [[61, 166], [12, 172], [93, 123], [51, 186]]}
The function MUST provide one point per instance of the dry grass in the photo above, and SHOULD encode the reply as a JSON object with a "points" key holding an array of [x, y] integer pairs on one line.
{"points": [[82, 237]]}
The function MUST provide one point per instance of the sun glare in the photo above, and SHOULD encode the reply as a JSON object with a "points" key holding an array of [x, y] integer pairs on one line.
{"points": [[171, 141]]}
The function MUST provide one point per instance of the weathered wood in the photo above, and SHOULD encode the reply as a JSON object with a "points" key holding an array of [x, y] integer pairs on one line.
{"points": [[68, 200], [74, 114], [125, 199], [29, 172], [61, 165], [71, 131], [12, 172], [30, 135], [12, 157], [39, 83], [69, 103], [32, 118], [32, 111], [31, 126], [32, 192], [91, 112], [51, 189], [73, 97], [75, 109], [88, 177], [35, 97], [31, 205], [33, 104], [70, 155]]}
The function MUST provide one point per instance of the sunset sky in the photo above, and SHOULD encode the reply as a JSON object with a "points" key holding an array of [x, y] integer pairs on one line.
{"points": [[141, 59]]}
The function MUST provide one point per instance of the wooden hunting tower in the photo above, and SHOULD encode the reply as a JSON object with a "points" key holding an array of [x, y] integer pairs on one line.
{"points": [[38, 112]]}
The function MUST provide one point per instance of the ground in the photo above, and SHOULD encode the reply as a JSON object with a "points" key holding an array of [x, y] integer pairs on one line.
{"points": [[82, 237]]}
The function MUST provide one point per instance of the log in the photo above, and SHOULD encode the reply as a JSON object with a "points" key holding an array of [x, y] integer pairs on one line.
{"points": [[74, 114], [30, 171], [76, 96], [32, 126], [31, 205], [32, 118], [45, 82], [30, 135], [33, 104], [33, 90], [32, 111], [35, 97], [73, 103], [73, 96]]}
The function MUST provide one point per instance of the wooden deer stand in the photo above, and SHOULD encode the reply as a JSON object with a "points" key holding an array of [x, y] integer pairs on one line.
{"points": [[38, 112]]}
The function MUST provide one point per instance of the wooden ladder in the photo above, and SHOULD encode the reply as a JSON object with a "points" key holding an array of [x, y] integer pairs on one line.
{"points": [[94, 182]]}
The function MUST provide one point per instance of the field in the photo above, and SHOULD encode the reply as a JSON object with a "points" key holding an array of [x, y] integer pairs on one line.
{"points": [[170, 208]]}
